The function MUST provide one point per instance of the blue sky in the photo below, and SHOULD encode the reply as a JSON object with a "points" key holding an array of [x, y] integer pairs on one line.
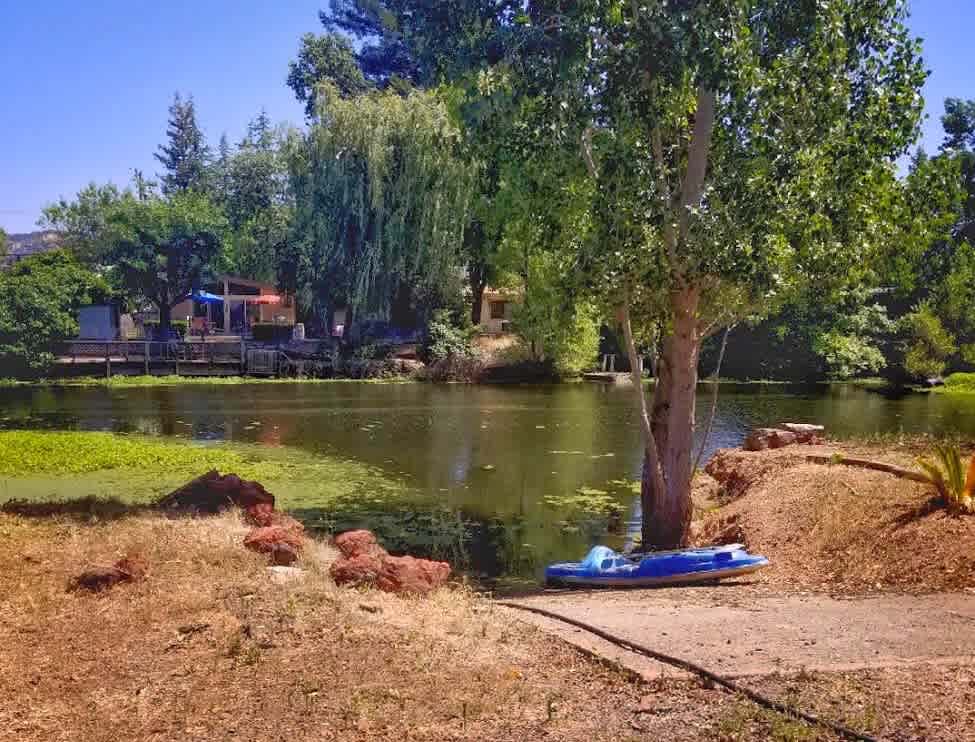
{"points": [[85, 86]]}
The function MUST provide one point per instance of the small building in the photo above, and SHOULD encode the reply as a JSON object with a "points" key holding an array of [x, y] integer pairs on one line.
{"points": [[497, 310], [98, 322], [233, 306]]}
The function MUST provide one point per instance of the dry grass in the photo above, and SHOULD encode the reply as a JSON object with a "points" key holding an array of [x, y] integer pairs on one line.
{"points": [[846, 529], [209, 648]]}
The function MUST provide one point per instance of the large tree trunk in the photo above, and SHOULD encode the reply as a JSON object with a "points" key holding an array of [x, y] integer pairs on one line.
{"points": [[165, 319], [671, 513], [477, 290], [653, 479]]}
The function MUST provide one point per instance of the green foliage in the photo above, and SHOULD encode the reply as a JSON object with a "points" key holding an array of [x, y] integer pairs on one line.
{"points": [[381, 198], [448, 337], [185, 156], [929, 345], [959, 383], [850, 346], [948, 476], [958, 122], [39, 301], [85, 221], [328, 58], [4, 246], [162, 249]]}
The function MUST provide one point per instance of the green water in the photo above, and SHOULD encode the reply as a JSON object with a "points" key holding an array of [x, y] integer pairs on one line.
{"points": [[534, 473]]}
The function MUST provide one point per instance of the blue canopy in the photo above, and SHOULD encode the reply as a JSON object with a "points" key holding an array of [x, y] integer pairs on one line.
{"points": [[205, 297]]}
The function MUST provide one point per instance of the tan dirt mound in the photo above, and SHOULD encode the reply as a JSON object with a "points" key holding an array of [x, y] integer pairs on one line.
{"points": [[839, 528]]}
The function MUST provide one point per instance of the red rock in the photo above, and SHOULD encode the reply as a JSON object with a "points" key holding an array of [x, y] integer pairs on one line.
{"points": [[96, 579], [261, 515], [264, 516], [364, 562], [211, 493], [283, 555], [761, 439], [269, 539], [407, 574], [362, 569], [352, 543]]}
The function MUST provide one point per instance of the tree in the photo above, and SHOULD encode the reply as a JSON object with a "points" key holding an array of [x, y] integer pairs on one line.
{"points": [[329, 57], [928, 345], [39, 301], [185, 156], [84, 222], [733, 148], [381, 198], [384, 55], [163, 249], [3, 244]]}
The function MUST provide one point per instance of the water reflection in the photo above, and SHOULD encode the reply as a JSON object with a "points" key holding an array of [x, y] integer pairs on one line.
{"points": [[488, 455]]}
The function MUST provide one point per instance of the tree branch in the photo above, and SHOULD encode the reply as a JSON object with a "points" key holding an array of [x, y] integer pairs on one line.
{"points": [[699, 153], [587, 152], [650, 443], [663, 195]]}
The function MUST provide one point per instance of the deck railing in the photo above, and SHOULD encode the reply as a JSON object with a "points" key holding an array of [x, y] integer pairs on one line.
{"points": [[150, 352]]}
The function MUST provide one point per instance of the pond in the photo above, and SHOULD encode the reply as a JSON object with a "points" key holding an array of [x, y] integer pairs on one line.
{"points": [[536, 472]]}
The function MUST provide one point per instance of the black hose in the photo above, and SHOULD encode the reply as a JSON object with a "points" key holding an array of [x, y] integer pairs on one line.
{"points": [[758, 698]]}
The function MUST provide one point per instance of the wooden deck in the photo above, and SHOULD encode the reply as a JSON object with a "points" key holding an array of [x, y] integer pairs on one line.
{"points": [[213, 357]]}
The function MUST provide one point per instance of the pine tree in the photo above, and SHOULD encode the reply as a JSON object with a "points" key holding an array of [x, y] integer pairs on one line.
{"points": [[260, 134], [185, 155], [145, 188]]}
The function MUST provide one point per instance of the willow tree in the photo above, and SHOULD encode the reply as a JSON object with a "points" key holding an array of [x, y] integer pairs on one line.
{"points": [[733, 146], [381, 197]]}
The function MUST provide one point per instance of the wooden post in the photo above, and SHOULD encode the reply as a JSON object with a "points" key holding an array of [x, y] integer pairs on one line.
{"points": [[243, 356], [108, 361], [226, 309], [145, 357]]}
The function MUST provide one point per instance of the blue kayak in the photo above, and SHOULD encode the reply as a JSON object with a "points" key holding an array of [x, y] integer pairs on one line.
{"points": [[607, 568]]}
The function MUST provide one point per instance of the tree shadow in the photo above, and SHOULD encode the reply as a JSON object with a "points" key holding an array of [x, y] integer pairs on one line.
{"points": [[930, 506], [83, 509]]}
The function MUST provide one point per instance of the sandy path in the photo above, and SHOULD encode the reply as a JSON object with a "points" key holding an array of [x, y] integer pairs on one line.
{"points": [[747, 634]]}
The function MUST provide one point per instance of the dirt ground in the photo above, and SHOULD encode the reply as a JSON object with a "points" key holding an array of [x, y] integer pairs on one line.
{"points": [[748, 634], [836, 528], [209, 647]]}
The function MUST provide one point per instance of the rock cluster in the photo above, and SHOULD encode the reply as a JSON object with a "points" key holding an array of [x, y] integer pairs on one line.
{"points": [[365, 562], [787, 434]]}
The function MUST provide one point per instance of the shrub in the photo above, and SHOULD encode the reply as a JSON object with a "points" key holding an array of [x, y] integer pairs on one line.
{"points": [[946, 472], [39, 301], [960, 382], [448, 337], [929, 344]]}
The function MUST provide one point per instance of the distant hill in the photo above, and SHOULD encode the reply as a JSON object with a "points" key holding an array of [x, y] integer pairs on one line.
{"points": [[19, 246]]}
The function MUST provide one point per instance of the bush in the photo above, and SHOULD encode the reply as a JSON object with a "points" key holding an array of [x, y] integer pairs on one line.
{"points": [[960, 382], [39, 301], [929, 345], [448, 337]]}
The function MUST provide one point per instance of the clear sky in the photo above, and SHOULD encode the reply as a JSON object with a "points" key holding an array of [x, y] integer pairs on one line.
{"points": [[85, 86]]}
